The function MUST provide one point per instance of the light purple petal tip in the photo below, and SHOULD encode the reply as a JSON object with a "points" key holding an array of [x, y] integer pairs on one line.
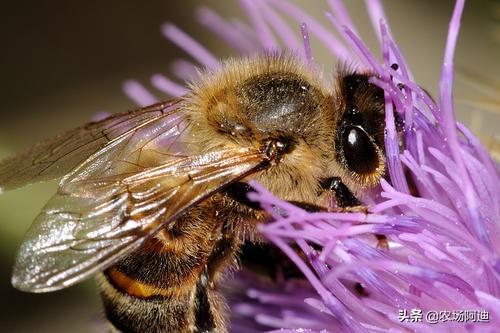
{"points": [[188, 44], [138, 93]]}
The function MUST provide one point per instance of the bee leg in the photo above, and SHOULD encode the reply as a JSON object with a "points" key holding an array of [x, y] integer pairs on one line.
{"points": [[311, 208], [347, 201], [382, 242], [343, 196], [239, 192], [268, 262], [360, 289], [204, 319]]}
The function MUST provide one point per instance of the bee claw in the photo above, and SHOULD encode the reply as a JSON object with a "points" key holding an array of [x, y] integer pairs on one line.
{"points": [[382, 242]]}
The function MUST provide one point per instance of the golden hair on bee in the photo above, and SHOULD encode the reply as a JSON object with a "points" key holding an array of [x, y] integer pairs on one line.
{"points": [[224, 106]]}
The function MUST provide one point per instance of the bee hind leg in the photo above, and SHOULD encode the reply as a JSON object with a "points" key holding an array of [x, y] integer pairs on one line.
{"points": [[204, 319]]}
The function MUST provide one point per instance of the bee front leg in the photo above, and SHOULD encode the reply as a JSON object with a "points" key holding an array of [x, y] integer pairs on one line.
{"points": [[239, 192], [347, 202], [345, 199]]}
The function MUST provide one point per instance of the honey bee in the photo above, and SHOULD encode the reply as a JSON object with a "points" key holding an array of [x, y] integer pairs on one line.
{"points": [[153, 201]]}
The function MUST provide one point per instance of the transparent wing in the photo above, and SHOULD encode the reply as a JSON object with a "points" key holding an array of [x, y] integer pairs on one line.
{"points": [[94, 220], [56, 157]]}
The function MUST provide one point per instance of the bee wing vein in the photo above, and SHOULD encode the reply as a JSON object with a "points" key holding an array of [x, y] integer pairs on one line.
{"points": [[55, 157], [87, 229]]}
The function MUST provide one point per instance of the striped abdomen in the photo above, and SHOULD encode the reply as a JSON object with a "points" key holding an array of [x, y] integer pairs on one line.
{"points": [[168, 285]]}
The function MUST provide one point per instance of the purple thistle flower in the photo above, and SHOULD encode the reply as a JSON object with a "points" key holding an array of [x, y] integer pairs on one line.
{"points": [[441, 272]]}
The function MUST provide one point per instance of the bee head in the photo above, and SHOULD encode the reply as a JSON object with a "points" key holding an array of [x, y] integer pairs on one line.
{"points": [[359, 134]]}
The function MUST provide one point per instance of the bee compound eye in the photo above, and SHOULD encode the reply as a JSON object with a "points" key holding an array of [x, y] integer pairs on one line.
{"points": [[360, 152]]}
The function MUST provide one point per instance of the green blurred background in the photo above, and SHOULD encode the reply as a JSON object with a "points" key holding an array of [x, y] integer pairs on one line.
{"points": [[62, 62]]}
